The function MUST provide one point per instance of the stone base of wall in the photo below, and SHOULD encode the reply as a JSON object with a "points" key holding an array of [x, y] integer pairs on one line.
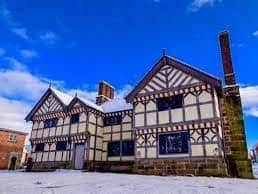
{"points": [[110, 166], [197, 167], [159, 167], [42, 166]]}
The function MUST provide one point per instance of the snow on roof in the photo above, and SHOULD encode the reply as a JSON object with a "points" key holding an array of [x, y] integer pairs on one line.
{"points": [[91, 104], [65, 98], [116, 104]]}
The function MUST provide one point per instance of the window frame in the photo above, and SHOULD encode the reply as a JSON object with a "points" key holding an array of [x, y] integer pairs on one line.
{"points": [[60, 144], [121, 148], [133, 150], [108, 148], [40, 150], [185, 138], [73, 120], [171, 102], [108, 120], [50, 123], [12, 137]]}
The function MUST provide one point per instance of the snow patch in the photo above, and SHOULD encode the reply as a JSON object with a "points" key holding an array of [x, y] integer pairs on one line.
{"points": [[116, 104]]}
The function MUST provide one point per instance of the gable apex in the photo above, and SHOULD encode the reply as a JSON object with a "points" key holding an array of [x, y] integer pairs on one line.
{"points": [[163, 64]]}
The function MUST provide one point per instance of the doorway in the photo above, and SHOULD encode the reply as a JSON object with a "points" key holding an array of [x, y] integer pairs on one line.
{"points": [[79, 156]]}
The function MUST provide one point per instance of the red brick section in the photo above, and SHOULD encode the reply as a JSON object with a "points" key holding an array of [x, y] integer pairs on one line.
{"points": [[106, 92], [226, 59], [6, 147], [236, 153]]}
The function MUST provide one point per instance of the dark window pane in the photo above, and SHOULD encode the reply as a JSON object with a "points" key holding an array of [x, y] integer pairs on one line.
{"points": [[128, 148], [170, 102], [74, 118], [39, 147], [50, 123], [176, 101], [163, 103], [114, 148], [112, 120], [173, 143], [61, 145]]}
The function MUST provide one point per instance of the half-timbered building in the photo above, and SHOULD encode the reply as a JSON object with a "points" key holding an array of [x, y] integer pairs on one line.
{"points": [[172, 122]]}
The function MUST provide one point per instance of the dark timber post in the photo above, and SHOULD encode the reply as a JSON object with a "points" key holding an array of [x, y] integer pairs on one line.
{"points": [[233, 123]]}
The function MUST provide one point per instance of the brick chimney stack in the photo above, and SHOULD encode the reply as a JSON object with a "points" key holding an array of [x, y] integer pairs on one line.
{"points": [[106, 93], [229, 75], [235, 145]]}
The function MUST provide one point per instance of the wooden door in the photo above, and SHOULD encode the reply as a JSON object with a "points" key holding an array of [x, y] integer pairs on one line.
{"points": [[79, 156]]}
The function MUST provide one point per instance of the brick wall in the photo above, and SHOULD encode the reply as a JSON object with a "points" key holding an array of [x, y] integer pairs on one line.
{"points": [[6, 147]]}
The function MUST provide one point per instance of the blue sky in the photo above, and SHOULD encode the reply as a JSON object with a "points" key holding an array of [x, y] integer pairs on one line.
{"points": [[77, 43]]}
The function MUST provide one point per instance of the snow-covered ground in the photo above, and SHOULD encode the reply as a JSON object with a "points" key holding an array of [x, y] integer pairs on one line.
{"points": [[76, 182]]}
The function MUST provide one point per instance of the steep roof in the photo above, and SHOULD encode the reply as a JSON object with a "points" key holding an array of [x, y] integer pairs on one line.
{"points": [[67, 101], [176, 63], [63, 98]]}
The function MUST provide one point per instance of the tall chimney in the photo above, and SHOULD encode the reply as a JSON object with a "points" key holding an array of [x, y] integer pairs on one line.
{"points": [[106, 93], [235, 144], [229, 75]]}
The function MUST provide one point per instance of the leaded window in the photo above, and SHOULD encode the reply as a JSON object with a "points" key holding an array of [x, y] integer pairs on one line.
{"points": [[114, 148], [61, 145], [75, 118], [123, 148], [170, 102], [113, 120], [50, 123], [173, 143], [128, 148], [39, 147]]}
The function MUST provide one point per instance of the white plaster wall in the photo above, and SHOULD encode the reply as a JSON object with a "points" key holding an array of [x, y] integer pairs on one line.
{"points": [[163, 117], [151, 118], [139, 120], [58, 156], [45, 132], [206, 111], [191, 113], [58, 131], [205, 97], [82, 117], [82, 127], [190, 99], [177, 115], [66, 130], [139, 108], [151, 106], [127, 119], [51, 156], [45, 156], [197, 150], [39, 133], [151, 152], [211, 149]]}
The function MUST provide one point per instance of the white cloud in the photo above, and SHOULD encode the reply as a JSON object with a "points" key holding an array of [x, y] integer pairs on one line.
{"points": [[48, 37], [249, 96], [15, 64], [26, 53], [20, 90], [255, 33], [2, 52], [13, 112], [196, 5], [21, 32]]}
